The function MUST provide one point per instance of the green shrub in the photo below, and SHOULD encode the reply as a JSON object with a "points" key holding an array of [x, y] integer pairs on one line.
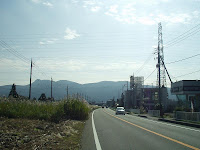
{"points": [[32, 110], [76, 109], [50, 111]]}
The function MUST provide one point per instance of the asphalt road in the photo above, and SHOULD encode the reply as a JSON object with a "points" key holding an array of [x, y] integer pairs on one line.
{"points": [[119, 132]]}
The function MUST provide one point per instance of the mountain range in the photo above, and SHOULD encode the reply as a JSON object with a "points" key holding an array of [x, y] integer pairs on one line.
{"points": [[100, 91]]}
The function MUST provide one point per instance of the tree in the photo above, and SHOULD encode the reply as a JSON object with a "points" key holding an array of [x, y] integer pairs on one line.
{"points": [[13, 91]]}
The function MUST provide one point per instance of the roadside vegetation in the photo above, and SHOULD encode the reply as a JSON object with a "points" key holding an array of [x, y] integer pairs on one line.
{"points": [[49, 111], [29, 124]]}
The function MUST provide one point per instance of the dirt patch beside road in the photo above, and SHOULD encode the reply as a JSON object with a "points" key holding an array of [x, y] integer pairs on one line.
{"points": [[36, 134]]}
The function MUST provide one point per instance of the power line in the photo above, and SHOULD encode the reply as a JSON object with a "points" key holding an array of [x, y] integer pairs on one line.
{"points": [[182, 59], [142, 67], [20, 56], [12, 51], [150, 74], [183, 36], [187, 74]]}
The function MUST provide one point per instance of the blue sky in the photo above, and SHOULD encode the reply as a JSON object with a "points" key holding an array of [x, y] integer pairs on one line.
{"points": [[94, 40]]}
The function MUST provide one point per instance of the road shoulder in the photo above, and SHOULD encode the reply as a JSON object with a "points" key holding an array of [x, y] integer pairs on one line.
{"points": [[87, 141]]}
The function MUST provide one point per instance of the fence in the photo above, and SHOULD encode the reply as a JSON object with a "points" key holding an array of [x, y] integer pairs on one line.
{"points": [[154, 113], [192, 116]]}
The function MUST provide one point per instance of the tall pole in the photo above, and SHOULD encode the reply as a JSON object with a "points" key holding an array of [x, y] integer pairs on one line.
{"points": [[51, 89], [30, 80], [67, 93], [158, 65], [127, 85]]}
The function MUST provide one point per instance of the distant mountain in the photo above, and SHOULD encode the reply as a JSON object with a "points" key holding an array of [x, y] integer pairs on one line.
{"points": [[101, 91]]}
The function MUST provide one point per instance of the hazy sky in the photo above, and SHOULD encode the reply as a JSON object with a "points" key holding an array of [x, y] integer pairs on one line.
{"points": [[97, 40]]}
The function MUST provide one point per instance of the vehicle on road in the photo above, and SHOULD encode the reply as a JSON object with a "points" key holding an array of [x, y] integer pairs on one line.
{"points": [[102, 106], [120, 110]]}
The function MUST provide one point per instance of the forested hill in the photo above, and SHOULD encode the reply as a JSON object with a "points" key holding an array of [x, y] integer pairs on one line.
{"points": [[100, 91]]}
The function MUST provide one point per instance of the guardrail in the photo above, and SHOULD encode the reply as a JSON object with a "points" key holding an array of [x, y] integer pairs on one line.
{"points": [[192, 116], [154, 113]]}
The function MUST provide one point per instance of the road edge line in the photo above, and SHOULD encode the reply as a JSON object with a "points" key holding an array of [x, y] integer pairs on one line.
{"points": [[96, 139]]}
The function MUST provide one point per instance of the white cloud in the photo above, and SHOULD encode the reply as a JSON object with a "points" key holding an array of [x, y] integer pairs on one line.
{"points": [[89, 2], [113, 9], [36, 1], [129, 15], [70, 34], [146, 21], [92, 5], [48, 41], [18, 65], [95, 8], [132, 12], [74, 1], [196, 14], [41, 43], [174, 18], [47, 4]]}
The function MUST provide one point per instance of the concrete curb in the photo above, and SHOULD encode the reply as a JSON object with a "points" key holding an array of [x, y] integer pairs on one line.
{"points": [[143, 116], [180, 122], [172, 121]]}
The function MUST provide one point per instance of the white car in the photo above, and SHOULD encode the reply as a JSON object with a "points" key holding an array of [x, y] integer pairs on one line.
{"points": [[120, 110]]}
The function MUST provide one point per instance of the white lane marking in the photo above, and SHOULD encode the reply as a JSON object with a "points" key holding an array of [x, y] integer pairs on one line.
{"points": [[167, 124], [98, 146]]}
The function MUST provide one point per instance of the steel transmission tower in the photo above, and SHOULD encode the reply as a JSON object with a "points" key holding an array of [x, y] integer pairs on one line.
{"points": [[161, 77]]}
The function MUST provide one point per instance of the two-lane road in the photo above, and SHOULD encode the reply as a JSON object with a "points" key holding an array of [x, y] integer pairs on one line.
{"points": [[108, 131]]}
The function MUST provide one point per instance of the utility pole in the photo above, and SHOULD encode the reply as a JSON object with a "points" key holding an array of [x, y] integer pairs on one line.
{"points": [[51, 89], [30, 80], [67, 93]]}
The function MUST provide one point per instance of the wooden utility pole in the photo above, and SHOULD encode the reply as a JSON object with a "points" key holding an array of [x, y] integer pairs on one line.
{"points": [[30, 81], [51, 89], [67, 93]]}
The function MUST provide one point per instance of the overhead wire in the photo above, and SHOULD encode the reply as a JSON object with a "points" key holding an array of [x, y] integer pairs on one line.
{"points": [[187, 74], [150, 74], [183, 36], [146, 61], [18, 55], [183, 59]]}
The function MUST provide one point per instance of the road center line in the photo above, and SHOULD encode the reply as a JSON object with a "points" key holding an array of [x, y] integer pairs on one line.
{"points": [[176, 141], [96, 139]]}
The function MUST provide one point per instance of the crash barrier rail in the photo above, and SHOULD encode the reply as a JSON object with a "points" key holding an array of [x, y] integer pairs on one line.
{"points": [[136, 111], [154, 113], [192, 116]]}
